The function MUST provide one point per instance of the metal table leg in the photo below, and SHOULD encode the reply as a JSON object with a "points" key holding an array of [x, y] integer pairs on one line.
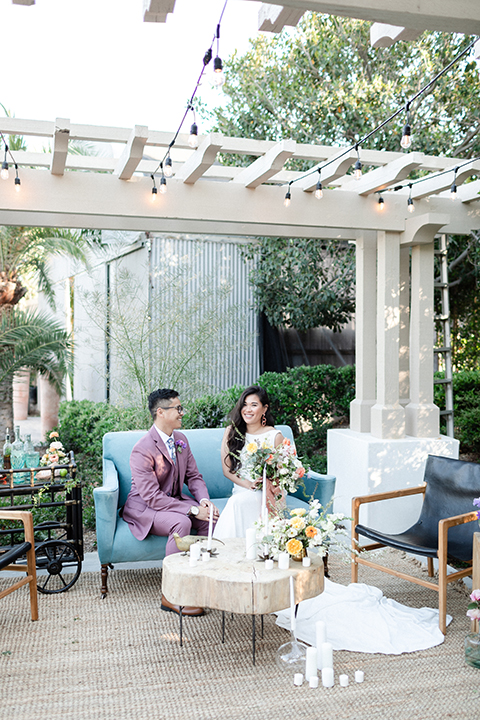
{"points": [[223, 626], [253, 639], [180, 615]]}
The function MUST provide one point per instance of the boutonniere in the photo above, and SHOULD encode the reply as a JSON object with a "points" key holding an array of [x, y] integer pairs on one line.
{"points": [[180, 446]]}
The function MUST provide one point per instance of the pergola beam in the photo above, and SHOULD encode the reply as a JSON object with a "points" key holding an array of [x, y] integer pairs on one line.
{"points": [[382, 35], [61, 137], [387, 175], [266, 166], [436, 184], [201, 160], [273, 18], [133, 153]]}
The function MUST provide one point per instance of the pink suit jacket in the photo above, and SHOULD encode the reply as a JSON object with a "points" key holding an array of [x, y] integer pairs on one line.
{"points": [[157, 482]]}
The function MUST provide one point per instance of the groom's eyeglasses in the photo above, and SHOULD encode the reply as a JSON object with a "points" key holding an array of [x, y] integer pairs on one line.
{"points": [[178, 408]]}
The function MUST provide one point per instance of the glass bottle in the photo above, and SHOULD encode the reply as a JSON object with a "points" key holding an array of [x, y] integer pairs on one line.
{"points": [[32, 458], [17, 456], [7, 450]]}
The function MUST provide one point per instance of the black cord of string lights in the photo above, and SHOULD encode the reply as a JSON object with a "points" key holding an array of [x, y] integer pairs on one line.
{"points": [[358, 143], [190, 107]]}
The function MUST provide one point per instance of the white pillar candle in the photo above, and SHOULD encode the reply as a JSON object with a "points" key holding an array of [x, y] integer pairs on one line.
{"points": [[359, 676], [313, 682], [321, 635], [298, 679], [283, 561], [210, 528], [306, 562], [192, 561], [205, 556], [250, 544], [264, 497], [343, 680], [195, 551], [292, 606], [311, 663], [327, 677], [327, 655], [269, 564]]}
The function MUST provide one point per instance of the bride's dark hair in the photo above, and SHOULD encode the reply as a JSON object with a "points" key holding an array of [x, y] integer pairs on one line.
{"points": [[236, 436]]}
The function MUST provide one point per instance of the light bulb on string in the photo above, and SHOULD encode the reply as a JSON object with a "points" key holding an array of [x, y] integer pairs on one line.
{"points": [[406, 140], [410, 205], [154, 189], [381, 204], [358, 166], [218, 76], [288, 197], [453, 189], [318, 188], [163, 185], [4, 173], [168, 167], [193, 138]]}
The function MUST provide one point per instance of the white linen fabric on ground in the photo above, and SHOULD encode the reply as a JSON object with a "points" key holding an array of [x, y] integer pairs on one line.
{"points": [[244, 507], [359, 618]]}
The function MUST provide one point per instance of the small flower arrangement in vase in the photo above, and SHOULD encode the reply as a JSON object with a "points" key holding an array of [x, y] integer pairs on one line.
{"points": [[54, 455], [472, 641], [300, 529]]}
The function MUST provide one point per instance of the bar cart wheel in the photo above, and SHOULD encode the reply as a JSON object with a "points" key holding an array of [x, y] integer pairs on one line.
{"points": [[59, 558]]}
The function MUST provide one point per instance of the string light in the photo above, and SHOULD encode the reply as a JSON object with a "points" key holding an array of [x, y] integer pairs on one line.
{"points": [[154, 189], [17, 179], [453, 189], [410, 205], [193, 138], [168, 166], [163, 185], [4, 174], [319, 189], [218, 76], [406, 140], [288, 196], [358, 165], [381, 204]]}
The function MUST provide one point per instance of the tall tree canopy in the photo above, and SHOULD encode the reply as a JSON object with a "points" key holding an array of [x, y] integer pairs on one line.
{"points": [[322, 83]]}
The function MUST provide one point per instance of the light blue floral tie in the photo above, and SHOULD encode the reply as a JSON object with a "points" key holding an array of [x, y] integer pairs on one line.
{"points": [[171, 449]]}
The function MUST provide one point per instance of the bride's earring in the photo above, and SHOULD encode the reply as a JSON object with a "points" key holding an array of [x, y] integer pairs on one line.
{"points": [[264, 420]]}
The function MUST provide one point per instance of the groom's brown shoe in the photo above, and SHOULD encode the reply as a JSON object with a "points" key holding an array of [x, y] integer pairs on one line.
{"points": [[190, 611]]}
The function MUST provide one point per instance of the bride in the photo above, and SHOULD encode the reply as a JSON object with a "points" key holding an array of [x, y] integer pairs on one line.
{"points": [[251, 421], [358, 617]]}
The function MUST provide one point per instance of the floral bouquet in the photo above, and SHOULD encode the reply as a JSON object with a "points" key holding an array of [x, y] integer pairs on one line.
{"points": [[55, 453], [302, 529], [282, 466]]}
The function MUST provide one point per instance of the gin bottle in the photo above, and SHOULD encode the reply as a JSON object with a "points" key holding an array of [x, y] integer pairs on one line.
{"points": [[7, 451], [18, 453]]}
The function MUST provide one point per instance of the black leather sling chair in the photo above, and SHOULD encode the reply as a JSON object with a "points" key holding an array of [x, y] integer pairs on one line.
{"points": [[444, 529], [27, 548]]}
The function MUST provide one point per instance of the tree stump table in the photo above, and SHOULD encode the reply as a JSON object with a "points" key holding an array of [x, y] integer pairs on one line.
{"points": [[231, 583]]}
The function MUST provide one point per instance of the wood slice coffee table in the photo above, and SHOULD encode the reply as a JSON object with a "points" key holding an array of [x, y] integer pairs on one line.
{"points": [[231, 583]]}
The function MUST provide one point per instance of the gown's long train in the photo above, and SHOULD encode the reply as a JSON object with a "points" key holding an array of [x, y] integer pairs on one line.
{"points": [[358, 617]]}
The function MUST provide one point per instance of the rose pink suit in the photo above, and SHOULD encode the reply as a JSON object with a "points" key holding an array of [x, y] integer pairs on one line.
{"points": [[155, 503]]}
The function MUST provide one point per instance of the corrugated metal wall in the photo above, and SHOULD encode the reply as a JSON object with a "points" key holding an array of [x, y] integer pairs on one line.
{"points": [[236, 356]]}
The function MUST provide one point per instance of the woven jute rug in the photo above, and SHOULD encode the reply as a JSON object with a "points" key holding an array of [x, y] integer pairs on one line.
{"points": [[119, 658]]}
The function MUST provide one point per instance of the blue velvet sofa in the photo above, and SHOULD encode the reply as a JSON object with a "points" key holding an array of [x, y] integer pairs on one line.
{"points": [[115, 542]]}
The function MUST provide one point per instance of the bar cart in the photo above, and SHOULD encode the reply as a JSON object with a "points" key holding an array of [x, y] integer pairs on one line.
{"points": [[51, 493]]}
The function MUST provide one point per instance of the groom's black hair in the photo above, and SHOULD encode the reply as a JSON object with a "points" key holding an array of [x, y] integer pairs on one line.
{"points": [[157, 397]]}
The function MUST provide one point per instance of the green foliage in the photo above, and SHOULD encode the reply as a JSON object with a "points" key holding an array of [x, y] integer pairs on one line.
{"points": [[303, 283], [466, 395], [210, 411]]}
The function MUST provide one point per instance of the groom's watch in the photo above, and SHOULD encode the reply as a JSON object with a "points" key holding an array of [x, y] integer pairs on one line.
{"points": [[194, 511]]}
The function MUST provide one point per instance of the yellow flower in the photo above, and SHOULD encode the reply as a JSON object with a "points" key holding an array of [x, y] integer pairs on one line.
{"points": [[294, 546], [298, 511], [311, 531], [297, 523], [252, 448]]}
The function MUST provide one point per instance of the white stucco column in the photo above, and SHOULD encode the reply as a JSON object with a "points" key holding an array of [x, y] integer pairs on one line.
{"points": [[387, 415], [421, 415], [404, 341], [365, 331]]}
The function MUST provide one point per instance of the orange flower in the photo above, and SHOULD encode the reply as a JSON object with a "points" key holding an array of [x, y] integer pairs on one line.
{"points": [[300, 472], [310, 531], [286, 442], [294, 546]]}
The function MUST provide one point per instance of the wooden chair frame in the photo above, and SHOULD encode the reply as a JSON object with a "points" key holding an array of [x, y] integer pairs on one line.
{"points": [[30, 568], [443, 528]]}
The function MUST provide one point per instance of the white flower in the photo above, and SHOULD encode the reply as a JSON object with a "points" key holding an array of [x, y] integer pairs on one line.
{"points": [[57, 445]]}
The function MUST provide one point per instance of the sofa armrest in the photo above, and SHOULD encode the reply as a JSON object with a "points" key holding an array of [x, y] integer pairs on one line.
{"points": [[321, 487], [106, 507]]}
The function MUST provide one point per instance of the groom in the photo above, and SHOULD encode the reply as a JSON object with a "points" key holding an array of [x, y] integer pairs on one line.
{"points": [[160, 463]]}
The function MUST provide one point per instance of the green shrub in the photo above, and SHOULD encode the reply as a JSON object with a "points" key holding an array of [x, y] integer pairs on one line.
{"points": [[466, 402], [210, 411]]}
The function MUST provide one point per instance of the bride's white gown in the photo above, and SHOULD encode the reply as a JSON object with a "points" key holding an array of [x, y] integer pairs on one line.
{"points": [[358, 617], [244, 506]]}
